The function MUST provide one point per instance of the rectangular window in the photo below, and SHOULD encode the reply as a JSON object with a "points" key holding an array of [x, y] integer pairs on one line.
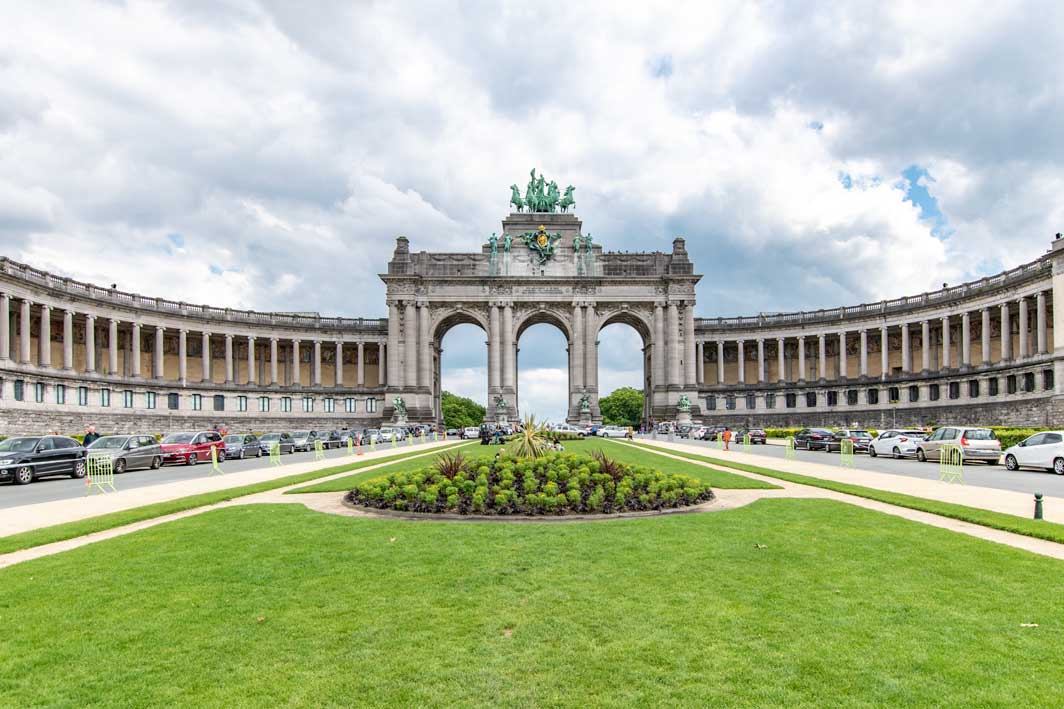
{"points": [[286, 404], [38, 393], [149, 399], [264, 403], [729, 402], [851, 397], [197, 402], [792, 400], [1047, 379], [954, 390], [914, 393], [973, 388], [241, 403], [173, 401], [329, 405], [711, 402], [934, 392], [219, 402], [810, 399], [20, 390], [127, 398], [308, 403], [872, 396], [833, 398], [60, 393], [770, 401], [1028, 381], [751, 402], [83, 396], [105, 397], [371, 405], [1010, 384], [349, 405], [992, 386]]}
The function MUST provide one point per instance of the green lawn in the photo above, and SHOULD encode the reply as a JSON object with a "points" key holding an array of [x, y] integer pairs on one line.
{"points": [[1039, 529], [69, 530], [782, 603]]}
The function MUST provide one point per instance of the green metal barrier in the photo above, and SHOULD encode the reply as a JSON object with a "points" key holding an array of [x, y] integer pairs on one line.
{"points": [[435, 437], [319, 451], [350, 446], [951, 463], [746, 443], [410, 440], [395, 440], [788, 448], [275, 453], [372, 444], [846, 452], [718, 442], [99, 473], [214, 461]]}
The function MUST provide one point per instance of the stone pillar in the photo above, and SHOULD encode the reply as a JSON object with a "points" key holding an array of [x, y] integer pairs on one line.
{"points": [[360, 380], [591, 350], [68, 340], [394, 376], [884, 353], [44, 339], [339, 363], [136, 350], [945, 363], [383, 363], [1023, 328], [112, 343], [864, 354], [1006, 334], [985, 336], [493, 353], [822, 358], [781, 370], [742, 362], [658, 353], [252, 374], [295, 362], [690, 370], [966, 339], [159, 366], [316, 369], [410, 345], [801, 358], [5, 326], [842, 373], [720, 361], [760, 360], [90, 344], [182, 356], [925, 346], [424, 348], [673, 335], [205, 356], [700, 362], [1040, 315], [508, 366], [273, 361], [24, 332], [906, 349], [228, 358], [576, 349]]}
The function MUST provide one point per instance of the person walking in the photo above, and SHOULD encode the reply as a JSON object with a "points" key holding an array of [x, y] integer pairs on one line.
{"points": [[726, 436], [90, 436]]}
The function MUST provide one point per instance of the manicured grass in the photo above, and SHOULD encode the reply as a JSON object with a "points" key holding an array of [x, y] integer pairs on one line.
{"points": [[69, 530], [1039, 529], [782, 603], [349, 481]]}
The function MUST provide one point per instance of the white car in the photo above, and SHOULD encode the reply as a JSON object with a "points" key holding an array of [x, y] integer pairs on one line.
{"points": [[470, 432], [569, 428], [1042, 450], [612, 432], [899, 444], [387, 434]]}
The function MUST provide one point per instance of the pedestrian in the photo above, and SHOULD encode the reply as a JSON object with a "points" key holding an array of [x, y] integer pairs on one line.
{"points": [[727, 438], [90, 435], [498, 436]]}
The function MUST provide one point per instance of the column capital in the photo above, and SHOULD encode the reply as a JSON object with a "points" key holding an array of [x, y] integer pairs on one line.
{"points": [[206, 333], [229, 337], [114, 321], [69, 312], [27, 301], [160, 328], [90, 316]]}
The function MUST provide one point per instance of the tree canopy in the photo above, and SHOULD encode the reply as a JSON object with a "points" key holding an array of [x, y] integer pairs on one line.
{"points": [[624, 407], [459, 412]]}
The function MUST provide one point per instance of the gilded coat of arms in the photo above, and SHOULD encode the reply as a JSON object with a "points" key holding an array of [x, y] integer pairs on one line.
{"points": [[541, 242]]}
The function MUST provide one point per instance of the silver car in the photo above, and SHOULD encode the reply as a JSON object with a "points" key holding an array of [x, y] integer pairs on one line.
{"points": [[128, 452], [241, 445], [976, 444]]}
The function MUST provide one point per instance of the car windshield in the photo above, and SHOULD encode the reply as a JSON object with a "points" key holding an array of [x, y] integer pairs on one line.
{"points": [[19, 444], [300, 434], [860, 434], [179, 438], [109, 442], [234, 439], [270, 437], [979, 434], [917, 434]]}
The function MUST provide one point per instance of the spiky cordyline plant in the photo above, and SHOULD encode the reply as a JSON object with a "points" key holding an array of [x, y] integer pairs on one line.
{"points": [[450, 464], [608, 465], [530, 441]]}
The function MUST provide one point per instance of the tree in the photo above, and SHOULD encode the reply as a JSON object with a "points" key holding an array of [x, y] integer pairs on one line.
{"points": [[624, 407], [459, 412]]}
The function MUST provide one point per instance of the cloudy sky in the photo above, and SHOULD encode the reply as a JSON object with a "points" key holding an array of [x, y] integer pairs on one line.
{"points": [[264, 155]]}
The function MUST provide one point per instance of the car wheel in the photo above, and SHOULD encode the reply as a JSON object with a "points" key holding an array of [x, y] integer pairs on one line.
{"points": [[24, 475], [120, 465], [221, 456], [79, 470], [1058, 466], [156, 462], [872, 452], [192, 459], [258, 452], [897, 453], [241, 454], [920, 455]]}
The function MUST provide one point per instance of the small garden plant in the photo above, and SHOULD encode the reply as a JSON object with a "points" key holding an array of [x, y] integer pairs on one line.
{"points": [[552, 483]]}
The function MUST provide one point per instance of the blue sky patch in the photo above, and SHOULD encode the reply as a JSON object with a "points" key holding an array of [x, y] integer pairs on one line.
{"points": [[916, 184]]}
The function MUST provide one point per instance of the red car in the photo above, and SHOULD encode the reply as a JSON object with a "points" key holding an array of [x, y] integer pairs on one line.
{"points": [[192, 448]]}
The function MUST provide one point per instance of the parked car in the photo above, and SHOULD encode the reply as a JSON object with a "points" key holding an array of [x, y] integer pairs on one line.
{"points": [[899, 444], [757, 436], [371, 435], [191, 447], [387, 433], [303, 440], [1042, 450], [697, 432], [452, 432], [569, 428], [330, 439], [284, 440], [128, 452], [812, 438], [242, 445], [712, 432], [471, 432], [975, 443], [612, 431], [860, 440], [347, 435], [24, 459]]}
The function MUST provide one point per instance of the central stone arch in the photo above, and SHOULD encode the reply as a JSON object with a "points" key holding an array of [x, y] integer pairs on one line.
{"points": [[542, 269]]}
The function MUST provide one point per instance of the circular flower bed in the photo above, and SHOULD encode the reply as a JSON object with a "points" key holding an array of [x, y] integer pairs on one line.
{"points": [[552, 484]]}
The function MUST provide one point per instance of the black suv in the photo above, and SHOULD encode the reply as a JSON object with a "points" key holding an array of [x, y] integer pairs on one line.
{"points": [[27, 458]]}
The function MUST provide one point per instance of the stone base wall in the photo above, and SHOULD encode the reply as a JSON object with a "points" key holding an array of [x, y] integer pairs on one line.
{"points": [[28, 422]]}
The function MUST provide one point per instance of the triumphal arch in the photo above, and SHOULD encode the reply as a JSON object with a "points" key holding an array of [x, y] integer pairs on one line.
{"points": [[541, 268]]}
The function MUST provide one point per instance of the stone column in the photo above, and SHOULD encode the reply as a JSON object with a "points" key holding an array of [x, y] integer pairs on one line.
{"points": [[295, 362], [112, 343], [228, 358], [493, 352], [44, 339], [205, 356], [136, 350], [68, 340], [822, 358], [5, 326], [273, 361], [906, 349], [591, 348], [394, 376], [690, 370], [966, 339], [945, 363], [760, 360], [339, 363], [1023, 328], [159, 368], [508, 367], [985, 336], [383, 363], [424, 348], [90, 344], [182, 356], [1006, 334], [1040, 314], [801, 358], [700, 362], [658, 354], [576, 349], [673, 335], [781, 370], [864, 354], [884, 353], [410, 344], [24, 332], [742, 362], [925, 346], [842, 373], [252, 374], [360, 377], [720, 361], [316, 369]]}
